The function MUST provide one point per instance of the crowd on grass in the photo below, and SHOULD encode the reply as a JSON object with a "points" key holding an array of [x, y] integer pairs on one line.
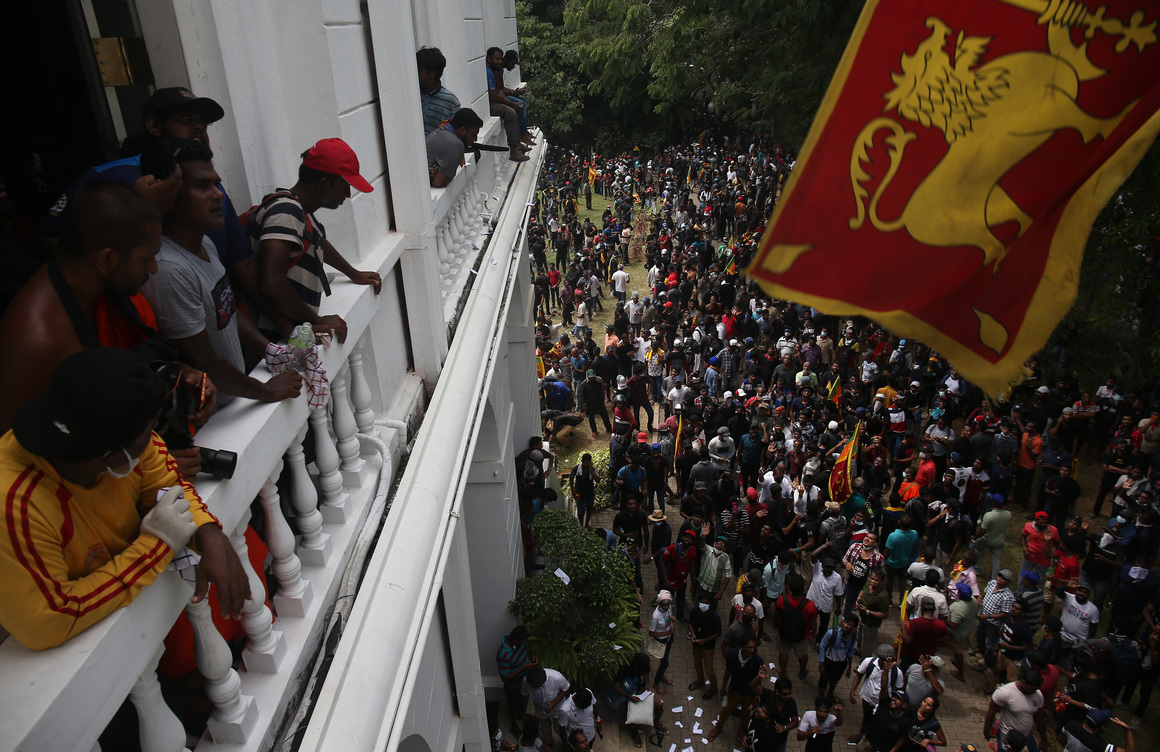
{"points": [[748, 403]]}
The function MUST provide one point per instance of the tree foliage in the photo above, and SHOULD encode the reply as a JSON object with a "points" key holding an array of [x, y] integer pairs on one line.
{"points": [[550, 66], [569, 624], [762, 65], [1118, 304]]}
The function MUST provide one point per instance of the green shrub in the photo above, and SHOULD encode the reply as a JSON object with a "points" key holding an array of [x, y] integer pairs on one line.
{"points": [[570, 625]]}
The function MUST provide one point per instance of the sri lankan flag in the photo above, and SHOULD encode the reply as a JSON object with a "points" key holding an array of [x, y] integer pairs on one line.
{"points": [[591, 175], [835, 392], [954, 169], [845, 469]]}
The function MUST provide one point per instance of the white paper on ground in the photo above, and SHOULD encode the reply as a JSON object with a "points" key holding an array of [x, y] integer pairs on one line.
{"points": [[689, 698], [678, 724], [687, 749], [697, 728], [704, 741], [673, 748], [678, 708], [698, 713]]}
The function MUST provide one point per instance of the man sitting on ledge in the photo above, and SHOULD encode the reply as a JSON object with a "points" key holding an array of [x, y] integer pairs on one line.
{"points": [[94, 509]]}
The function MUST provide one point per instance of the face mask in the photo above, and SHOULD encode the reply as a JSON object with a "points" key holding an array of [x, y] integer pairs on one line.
{"points": [[118, 474], [703, 606]]}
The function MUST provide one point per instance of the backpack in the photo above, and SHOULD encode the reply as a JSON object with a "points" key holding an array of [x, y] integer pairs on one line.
{"points": [[792, 626], [310, 236], [1125, 657]]}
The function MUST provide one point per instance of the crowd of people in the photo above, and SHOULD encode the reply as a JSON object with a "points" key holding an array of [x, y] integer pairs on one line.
{"points": [[723, 487]]}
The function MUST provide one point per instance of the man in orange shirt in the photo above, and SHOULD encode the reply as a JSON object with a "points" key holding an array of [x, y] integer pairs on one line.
{"points": [[1030, 447]]}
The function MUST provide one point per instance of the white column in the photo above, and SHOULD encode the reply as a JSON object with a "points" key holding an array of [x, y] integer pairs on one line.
{"points": [[159, 729], [462, 638], [294, 593], [346, 432], [234, 715], [314, 547], [334, 497], [393, 42], [265, 647], [360, 393]]}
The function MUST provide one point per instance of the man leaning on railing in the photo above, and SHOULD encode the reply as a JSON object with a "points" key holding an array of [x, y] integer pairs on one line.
{"points": [[94, 509]]}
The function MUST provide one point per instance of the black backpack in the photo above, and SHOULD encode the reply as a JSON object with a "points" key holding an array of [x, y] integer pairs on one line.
{"points": [[792, 627]]}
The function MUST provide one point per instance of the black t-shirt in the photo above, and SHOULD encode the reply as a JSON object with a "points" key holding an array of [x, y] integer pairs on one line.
{"points": [[785, 716], [1017, 634], [632, 524], [705, 624], [1080, 738], [741, 675], [1086, 690], [886, 728]]}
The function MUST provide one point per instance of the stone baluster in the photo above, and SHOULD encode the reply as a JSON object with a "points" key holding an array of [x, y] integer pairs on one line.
{"points": [[294, 593], [454, 228], [265, 647], [314, 546], [346, 432], [159, 729], [360, 394], [326, 459], [234, 715]]}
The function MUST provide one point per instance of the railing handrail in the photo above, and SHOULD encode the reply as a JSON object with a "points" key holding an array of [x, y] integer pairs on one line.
{"points": [[87, 678], [391, 607]]}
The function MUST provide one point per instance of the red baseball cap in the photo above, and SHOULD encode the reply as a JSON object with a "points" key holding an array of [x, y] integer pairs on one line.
{"points": [[334, 156], [751, 494]]}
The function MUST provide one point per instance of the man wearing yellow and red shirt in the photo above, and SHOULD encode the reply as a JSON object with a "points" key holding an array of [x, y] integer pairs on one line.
{"points": [[94, 508]]}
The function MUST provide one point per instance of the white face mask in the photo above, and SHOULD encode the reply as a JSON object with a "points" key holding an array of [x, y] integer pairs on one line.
{"points": [[703, 606], [118, 474]]}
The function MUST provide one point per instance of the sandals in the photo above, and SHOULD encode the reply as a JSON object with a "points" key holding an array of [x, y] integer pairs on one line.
{"points": [[712, 734], [696, 685]]}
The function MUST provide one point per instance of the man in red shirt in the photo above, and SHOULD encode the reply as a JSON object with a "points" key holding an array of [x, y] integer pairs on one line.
{"points": [[758, 516], [924, 633], [795, 616], [1039, 542]]}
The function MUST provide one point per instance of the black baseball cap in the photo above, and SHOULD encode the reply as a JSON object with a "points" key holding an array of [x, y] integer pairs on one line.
{"points": [[97, 400], [164, 101]]}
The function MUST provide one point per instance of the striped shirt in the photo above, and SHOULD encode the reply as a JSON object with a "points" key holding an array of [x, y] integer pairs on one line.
{"points": [[510, 660], [284, 219], [716, 567], [438, 107]]}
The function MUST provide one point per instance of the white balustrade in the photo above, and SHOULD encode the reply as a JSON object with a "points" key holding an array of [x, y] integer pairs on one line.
{"points": [[294, 594], [314, 547], [360, 394], [159, 730], [234, 715], [326, 459], [346, 432], [265, 646]]}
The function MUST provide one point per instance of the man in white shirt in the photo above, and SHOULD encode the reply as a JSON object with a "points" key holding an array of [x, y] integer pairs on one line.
{"points": [[1080, 616], [620, 280], [547, 689], [825, 591], [868, 676], [1020, 707]]}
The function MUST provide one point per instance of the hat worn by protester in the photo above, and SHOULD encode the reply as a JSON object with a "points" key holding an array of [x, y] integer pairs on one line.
{"points": [[885, 651], [658, 515], [334, 156], [165, 101], [1098, 717], [1006, 574], [663, 596], [97, 401], [1041, 516]]}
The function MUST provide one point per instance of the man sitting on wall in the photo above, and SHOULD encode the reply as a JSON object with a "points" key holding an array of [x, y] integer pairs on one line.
{"points": [[191, 294], [439, 104], [504, 107], [95, 509], [292, 246], [447, 144]]}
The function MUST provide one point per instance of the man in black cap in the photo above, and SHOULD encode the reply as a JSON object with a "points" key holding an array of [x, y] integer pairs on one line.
{"points": [[96, 509]]}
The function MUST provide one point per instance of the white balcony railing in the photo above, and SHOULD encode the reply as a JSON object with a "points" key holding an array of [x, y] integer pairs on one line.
{"points": [[61, 699]]}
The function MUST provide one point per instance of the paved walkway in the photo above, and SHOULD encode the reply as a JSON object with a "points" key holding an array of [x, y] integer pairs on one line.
{"points": [[961, 712]]}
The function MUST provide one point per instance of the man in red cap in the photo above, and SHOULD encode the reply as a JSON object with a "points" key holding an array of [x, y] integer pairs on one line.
{"points": [[292, 245]]}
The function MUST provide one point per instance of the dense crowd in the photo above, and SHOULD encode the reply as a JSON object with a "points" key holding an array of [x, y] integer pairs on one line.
{"points": [[749, 403]]}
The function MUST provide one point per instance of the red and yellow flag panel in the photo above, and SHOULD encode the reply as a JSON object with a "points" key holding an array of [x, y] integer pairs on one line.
{"points": [[846, 468], [952, 174]]}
